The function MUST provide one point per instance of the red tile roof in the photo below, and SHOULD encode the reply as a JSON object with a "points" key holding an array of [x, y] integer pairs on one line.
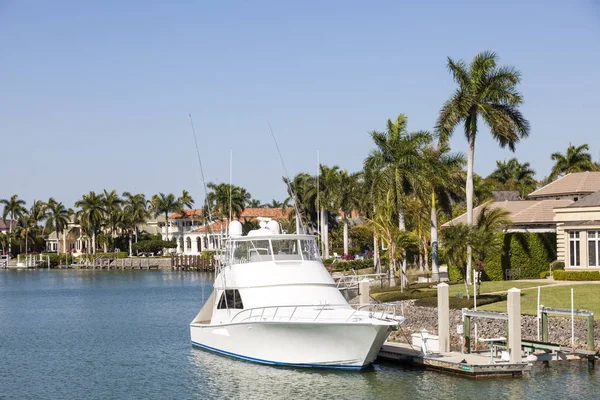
{"points": [[196, 212]]}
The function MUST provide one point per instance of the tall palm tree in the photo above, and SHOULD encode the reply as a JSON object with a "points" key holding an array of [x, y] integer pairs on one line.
{"points": [[488, 92], [91, 214], [112, 208], [135, 211], [222, 194], [348, 198], [328, 200], [304, 197], [397, 167], [576, 159], [14, 207], [445, 183], [25, 227], [58, 219], [165, 204]]}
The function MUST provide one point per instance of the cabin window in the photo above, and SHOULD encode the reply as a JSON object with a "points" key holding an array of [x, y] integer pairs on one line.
{"points": [[230, 299], [251, 251], [310, 251], [594, 248], [286, 249], [574, 251]]}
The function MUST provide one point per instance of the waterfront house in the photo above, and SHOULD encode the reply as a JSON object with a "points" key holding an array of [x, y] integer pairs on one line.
{"points": [[193, 235]]}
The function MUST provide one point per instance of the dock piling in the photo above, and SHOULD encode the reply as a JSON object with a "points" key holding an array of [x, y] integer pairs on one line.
{"points": [[443, 317], [514, 325]]}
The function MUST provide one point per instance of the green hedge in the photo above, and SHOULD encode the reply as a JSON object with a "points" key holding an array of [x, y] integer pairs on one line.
{"points": [[532, 253], [118, 254], [544, 274], [355, 264], [560, 275], [556, 265], [396, 295], [458, 304]]}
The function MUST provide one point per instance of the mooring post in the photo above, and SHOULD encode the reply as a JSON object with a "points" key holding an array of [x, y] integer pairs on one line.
{"points": [[544, 315], [443, 317], [590, 332], [364, 287], [467, 332], [514, 325]]}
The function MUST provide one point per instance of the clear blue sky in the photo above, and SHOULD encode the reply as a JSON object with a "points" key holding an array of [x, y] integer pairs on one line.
{"points": [[96, 95]]}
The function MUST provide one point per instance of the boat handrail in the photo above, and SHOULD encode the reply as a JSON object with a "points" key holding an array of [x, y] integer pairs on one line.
{"points": [[258, 313]]}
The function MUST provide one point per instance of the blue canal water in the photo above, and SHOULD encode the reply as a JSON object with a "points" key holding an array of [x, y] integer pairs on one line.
{"points": [[125, 335]]}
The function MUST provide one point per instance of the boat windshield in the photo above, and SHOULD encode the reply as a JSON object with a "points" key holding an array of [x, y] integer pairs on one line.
{"points": [[260, 250]]}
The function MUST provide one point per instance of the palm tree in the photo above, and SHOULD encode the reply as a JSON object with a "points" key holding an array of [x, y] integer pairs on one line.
{"points": [[165, 204], [397, 166], [186, 199], [91, 214], [25, 227], [255, 203], [112, 208], [487, 91], [348, 198], [273, 204], [513, 175], [329, 183], [576, 159], [222, 194], [4, 241], [305, 197], [14, 207], [135, 211], [58, 219], [445, 183]]}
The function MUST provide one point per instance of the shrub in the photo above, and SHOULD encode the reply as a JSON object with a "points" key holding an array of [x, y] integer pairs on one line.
{"points": [[408, 294], [118, 254], [328, 260], [544, 274], [153, 246], [560, 275], [454, 273], [459, 304], [354, 264], [557, 265], [530, 252]]}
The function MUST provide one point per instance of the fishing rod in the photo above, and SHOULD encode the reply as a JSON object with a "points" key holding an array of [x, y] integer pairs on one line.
{"points": [[289, 185], [210, 219]]}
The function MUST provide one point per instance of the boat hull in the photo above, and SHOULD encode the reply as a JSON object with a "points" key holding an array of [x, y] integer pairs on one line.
{"points": [[296, 344]]}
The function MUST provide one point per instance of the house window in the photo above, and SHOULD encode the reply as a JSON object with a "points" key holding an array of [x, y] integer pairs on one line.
{"points": [[230, 299], [593, 248], [574, 251]]}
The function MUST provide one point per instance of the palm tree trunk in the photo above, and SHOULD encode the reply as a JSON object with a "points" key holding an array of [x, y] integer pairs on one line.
{"points": [[425, 256], [470, 160], [345, 234], [64, 242], [392, 267], [376, 263], [130, 248], [325, 232], [93, 242], [12, 218], [298, 224], [435, 268], [402, 226], [135, 231]]}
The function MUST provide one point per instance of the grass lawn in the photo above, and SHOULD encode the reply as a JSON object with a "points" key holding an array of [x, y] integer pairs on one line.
{"points": [[586, 297], [393, 294]]}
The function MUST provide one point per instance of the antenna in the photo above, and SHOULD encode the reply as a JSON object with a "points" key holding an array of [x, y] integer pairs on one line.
{"points": [[230, 186], [210, 220], [289, 185]]}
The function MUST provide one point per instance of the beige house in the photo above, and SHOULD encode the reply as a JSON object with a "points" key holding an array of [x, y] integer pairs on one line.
{"points": [[569, 206], [578, 233]]}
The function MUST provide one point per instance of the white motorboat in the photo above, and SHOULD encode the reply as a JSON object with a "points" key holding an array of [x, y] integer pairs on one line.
{"points": [[275, 303]]}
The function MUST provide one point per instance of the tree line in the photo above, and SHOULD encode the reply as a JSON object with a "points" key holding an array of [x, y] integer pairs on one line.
{"points": [[410, 181]]}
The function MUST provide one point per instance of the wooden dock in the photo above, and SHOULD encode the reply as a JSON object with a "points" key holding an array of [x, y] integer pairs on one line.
{"points": [[473, 365]]}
